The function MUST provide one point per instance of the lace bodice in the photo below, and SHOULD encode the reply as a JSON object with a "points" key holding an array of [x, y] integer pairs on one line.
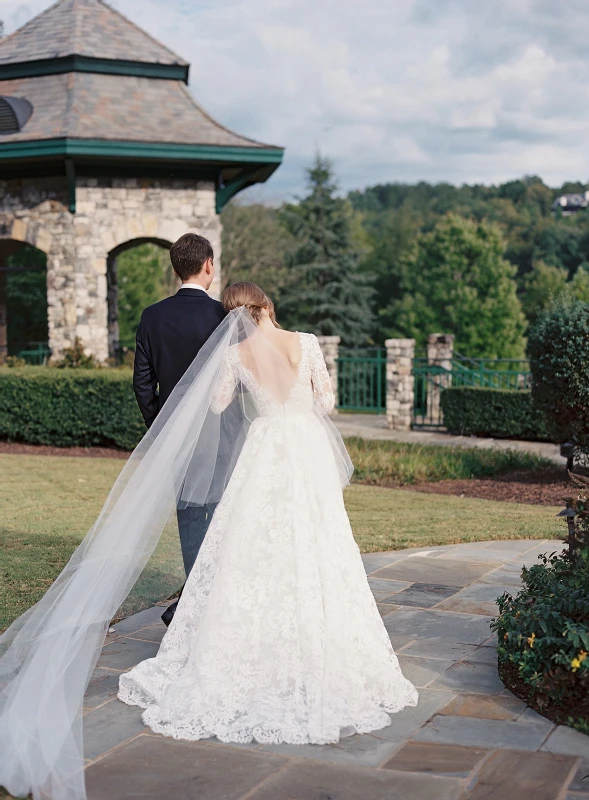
{"points": [[312, 389]]}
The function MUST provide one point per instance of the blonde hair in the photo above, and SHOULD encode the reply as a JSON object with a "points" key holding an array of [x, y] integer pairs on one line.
{"points": [[252, 297]]}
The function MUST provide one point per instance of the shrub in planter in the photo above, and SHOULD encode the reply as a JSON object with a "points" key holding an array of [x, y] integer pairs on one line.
{"points": [[503, 413], [558, 349], [69, 407], [544, 637]]}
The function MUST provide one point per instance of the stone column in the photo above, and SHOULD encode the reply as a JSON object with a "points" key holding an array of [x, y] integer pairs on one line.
{"points": [[400, 383], [330, 349], [3, 336], [440, 349]]}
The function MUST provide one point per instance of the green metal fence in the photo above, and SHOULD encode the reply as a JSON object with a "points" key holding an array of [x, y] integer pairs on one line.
{"points": [[361, 379], [491, 373], [431, 379], [37, 354]]}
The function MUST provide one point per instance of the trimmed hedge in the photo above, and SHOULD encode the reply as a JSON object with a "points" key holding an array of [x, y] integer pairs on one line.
{"points": [[502, 413], [69, 407]]}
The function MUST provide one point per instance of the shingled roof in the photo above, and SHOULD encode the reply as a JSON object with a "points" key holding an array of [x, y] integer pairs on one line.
{"points": [[87, 28], [84, 105], [99, 96]]}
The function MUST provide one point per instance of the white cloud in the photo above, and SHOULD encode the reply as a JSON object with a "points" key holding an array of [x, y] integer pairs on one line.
{"points": [[407, 90]]}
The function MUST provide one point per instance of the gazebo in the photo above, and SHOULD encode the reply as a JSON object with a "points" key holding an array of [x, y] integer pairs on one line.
{"points": [[102, 147]]}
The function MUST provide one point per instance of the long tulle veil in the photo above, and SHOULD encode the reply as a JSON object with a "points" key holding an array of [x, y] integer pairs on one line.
{"points": [[49, 653]]}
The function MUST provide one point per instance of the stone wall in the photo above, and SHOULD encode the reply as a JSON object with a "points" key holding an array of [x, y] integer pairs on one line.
{"points": [[109, 214]]}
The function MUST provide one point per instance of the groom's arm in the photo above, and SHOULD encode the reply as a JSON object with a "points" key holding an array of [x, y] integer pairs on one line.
{"points": [[145, 381]]}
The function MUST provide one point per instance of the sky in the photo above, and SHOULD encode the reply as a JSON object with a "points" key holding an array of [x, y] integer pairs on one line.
{"points": [[391, 90]]}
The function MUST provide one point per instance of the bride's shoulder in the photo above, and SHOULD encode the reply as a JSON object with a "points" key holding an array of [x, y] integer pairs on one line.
{"points": [[307, 337], [309, 340]]}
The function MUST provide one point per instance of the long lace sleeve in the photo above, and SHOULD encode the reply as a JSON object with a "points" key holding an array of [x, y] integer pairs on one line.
{"points": [[224, 390], [322, 388]]}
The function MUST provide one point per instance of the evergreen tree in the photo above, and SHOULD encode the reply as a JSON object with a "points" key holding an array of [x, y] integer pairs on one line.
{"points": [[326, 293]]}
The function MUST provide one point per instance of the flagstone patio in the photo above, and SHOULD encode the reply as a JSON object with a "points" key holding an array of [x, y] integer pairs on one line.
{"points": [[468, 738]]}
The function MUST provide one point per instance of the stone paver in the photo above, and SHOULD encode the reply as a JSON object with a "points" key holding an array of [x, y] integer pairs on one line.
{"points": [[438, 759], [538, 778], [468, 738]]}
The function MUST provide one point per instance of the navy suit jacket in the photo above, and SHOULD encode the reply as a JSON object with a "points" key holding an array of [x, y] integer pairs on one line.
{"points": [[169, 336]]}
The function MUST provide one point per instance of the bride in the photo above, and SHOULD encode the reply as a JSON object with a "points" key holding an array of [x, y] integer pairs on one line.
{"points": [[276, 637]]}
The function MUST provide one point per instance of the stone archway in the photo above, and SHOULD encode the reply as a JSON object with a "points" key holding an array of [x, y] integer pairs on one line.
{"points": [[113, 281], [111, 212]]}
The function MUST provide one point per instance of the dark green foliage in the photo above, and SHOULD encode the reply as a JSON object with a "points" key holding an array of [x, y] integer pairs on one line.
{"points": [[66, 408], [504, 413], [26, 299], [326, 292], [558, 349], [544, 632]]}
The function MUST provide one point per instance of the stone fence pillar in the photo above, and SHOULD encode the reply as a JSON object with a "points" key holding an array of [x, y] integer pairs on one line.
{"points": [[400, 381], [330, 349], [440, 349]]}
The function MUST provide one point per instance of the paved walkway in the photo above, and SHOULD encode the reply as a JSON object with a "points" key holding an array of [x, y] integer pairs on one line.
{"points": [[469, 738], [373, 426]]}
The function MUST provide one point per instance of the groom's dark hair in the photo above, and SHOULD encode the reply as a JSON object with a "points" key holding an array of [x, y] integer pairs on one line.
{"points": [[189, 254]]}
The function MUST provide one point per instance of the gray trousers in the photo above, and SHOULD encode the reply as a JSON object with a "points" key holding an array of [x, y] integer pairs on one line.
{"points": [[193, 524]]}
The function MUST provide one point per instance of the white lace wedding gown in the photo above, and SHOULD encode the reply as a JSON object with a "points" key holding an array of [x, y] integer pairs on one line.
{"points": [[277, 637]]}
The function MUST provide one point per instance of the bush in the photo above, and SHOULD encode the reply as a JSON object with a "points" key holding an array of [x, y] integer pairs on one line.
{"points": [[75, 357], [558, 349], [503, 413], [382, 463], [544, 637], [69, 407]]}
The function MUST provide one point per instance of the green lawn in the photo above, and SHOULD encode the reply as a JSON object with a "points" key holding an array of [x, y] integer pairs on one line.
{"points": [[48, 503]]}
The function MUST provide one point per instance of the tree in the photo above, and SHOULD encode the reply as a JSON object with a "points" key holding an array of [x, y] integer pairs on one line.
{"points": [[144, 276], [255, 246], [579, 286], [455, 280], [540, 286], [327, 293]]}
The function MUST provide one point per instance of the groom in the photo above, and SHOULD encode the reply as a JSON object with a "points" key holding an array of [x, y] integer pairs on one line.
{"points": [[169, 336]]}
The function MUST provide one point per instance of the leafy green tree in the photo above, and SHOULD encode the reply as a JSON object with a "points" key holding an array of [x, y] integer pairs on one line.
{"points": [[579, 286], [540, 287], [255, 247], [327, 293], [144, 276], [456, 281]]}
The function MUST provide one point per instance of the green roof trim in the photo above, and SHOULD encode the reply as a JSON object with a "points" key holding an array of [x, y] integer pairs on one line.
{"points": [[105, 66], [101, 148]]}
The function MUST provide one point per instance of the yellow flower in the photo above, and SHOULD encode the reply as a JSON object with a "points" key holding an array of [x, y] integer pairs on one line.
{"points": [[576, 662], [531, 640], [504, 637]]}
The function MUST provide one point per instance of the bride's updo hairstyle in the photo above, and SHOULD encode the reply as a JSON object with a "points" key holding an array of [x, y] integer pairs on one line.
{"points": [[252, 297]]}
